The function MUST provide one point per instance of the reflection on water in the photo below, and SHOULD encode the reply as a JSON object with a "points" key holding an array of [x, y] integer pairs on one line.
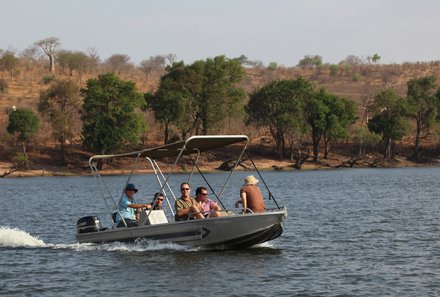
{"points": [[359, 232]]}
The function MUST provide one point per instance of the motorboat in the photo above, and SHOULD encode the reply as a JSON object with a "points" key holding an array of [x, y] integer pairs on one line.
{"points": [[235, 228]]}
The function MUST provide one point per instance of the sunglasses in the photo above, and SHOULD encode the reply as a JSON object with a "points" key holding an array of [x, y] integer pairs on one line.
{"points": [[184, 189], [159, 199], [204, 194]]}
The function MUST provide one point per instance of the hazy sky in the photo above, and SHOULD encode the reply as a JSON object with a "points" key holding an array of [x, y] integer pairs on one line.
{"points": [[281, 31]]}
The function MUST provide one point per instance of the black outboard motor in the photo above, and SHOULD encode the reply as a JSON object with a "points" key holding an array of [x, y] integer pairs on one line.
{"points": [[88, 224]]}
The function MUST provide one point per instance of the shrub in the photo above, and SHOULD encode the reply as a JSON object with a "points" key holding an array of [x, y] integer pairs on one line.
{"points": [[48, 79], [356, 77], [3, 85]]}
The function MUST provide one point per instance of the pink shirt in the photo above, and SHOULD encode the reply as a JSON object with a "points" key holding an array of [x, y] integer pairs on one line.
{"points": [[208, 205]]}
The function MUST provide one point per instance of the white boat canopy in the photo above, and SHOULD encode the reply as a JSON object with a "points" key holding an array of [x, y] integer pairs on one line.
{"points": [[193, 145]]}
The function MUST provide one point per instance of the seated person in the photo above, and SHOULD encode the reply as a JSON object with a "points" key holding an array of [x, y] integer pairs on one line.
{"points": [[208, 207], [251, 196], [127, 207], [186, 205], [157, 201]]}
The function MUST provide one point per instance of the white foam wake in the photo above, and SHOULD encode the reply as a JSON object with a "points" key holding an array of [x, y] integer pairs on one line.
{"points": [[15, 238], [141, 246]]}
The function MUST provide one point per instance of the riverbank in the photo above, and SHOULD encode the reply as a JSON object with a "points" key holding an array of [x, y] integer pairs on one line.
{"points": [[262, 163]]}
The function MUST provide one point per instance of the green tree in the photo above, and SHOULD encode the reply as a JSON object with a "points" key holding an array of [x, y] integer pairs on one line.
{"points": [[167, 106], [311, 61], [204, 95], [219, 97], [174, 103], [23, 123], [333, 69], [376, 58], [328, 117], [389, 119], [61, 104], [9, 62], [423, 107], [278, 106], [340, 116], [315, 115], [365, 139], [109, 118]]}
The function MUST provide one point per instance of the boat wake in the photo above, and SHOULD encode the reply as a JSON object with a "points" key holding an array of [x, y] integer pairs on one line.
{"points": [[16, 238], [13, 237]]}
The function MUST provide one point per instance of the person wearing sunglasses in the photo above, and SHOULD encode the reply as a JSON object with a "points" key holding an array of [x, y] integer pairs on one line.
{"points": [[186, 205], [157, 201], [208, 207], [128, 206]]}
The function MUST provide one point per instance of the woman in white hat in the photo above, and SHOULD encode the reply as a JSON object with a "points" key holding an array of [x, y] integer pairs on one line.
{"points": [[251, 197]]}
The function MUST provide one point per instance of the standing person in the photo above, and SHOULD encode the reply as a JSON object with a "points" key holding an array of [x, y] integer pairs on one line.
{"points": [[157, 201], [127, 207], [208, 207], [251, 197], [186, 205]]}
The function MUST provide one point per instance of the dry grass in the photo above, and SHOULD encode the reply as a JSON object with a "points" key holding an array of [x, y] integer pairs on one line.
{"points": [[357, 82]]}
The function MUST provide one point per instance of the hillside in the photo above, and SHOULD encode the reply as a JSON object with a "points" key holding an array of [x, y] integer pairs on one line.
{"points": [[356, 82]]}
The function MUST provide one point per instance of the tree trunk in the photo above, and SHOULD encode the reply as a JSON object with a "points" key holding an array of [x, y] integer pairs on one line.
{"points": [[326, 144], [23, 145], [387, 153], [315, 140], [417, 141], [166, 134], [63, 151], [52, 62]]}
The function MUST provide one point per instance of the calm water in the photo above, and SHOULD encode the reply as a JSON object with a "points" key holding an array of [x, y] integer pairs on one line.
{"points": [[358, 232]]}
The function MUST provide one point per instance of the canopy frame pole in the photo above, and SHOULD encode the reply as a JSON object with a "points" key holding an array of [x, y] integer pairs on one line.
{"points": [[271, 197]]}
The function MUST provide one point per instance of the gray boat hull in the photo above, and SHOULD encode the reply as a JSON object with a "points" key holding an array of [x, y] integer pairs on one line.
{"points": [[232, 231]]}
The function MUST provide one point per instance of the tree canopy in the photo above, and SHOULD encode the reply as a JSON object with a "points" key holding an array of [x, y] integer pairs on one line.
{"points": [[61, 105], [195, 98], [109, 118], [389, 118], [9, 62], [423, 107], [278, 107], [49, 45], [340, 115], [24, 123]]}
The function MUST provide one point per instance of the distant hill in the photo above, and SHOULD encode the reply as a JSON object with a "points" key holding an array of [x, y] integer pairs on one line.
{"points": [[358, 82]]}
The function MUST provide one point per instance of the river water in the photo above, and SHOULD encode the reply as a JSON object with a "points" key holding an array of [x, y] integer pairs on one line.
{"points": [[354, 232]]}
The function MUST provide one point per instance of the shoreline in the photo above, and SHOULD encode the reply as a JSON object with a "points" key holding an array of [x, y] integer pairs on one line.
{"points": [[263, 165]]}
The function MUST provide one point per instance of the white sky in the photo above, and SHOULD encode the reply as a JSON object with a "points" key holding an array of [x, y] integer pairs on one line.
{"points": [[281, 31]]}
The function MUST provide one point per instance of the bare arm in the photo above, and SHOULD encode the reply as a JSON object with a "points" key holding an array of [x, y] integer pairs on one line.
{"points": [[243, 199], [139, 205]]}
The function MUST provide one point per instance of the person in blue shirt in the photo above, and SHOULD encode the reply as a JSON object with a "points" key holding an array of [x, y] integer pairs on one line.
{"points": [[127, 207]]}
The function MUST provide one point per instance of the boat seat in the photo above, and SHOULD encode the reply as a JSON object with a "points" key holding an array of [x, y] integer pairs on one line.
{"points": [[155, 217]]}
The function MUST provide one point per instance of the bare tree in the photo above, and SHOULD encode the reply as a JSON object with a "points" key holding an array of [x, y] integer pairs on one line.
{"points": [[118, 63], [94, 58], [49, 46]]}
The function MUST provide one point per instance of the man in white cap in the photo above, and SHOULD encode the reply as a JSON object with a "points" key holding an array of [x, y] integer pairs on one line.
{"points": [[251, 196]]}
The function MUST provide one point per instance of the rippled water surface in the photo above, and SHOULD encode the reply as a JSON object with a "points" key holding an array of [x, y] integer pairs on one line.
{"points": [[357, 232]]}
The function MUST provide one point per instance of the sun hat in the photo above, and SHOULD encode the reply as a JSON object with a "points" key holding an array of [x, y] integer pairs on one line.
{"points": [[131, 187], [250, 180]]}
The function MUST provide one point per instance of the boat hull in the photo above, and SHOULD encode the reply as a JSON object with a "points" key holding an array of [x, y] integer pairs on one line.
{"points": [[232, 231]]}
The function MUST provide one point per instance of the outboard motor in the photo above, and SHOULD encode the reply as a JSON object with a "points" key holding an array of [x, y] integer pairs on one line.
{"points": [[88, 224]]}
